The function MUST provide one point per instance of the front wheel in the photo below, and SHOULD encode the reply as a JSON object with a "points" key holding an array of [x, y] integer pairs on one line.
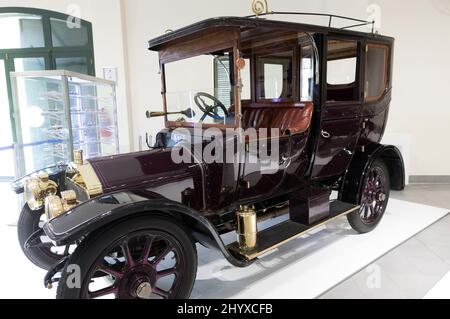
{"points": [[46, 254], [374, 199], [142, 258]]}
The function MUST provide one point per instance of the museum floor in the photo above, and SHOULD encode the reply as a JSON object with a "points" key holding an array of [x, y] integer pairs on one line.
{"points": [[420, 267], [412, 267]]}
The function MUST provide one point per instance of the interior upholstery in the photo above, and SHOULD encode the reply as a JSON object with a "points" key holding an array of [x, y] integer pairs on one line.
{"points": [[289, 119]]}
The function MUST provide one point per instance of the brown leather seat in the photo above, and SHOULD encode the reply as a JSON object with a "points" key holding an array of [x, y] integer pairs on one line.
{"points": [[290, 120], [257, 118]]}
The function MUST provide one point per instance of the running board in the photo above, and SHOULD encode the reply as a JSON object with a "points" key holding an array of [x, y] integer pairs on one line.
{"points": [[287, 231]]}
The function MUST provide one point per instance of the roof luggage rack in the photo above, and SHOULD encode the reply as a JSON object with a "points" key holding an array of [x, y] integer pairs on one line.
{"points": [[260, 8]]}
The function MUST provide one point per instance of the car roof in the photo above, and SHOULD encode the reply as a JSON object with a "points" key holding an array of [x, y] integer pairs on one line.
{"points": [[249, 23]]}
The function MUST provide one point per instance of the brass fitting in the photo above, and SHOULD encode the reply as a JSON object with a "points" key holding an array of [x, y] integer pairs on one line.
{"points": [[37, 189], [44, 177], [247, 228], [85, 176], [56, 206], [69, 198], [78, 157], [53, 207]]}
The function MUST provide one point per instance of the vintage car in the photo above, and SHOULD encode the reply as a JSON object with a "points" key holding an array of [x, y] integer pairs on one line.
{"points": [[127, 226]]}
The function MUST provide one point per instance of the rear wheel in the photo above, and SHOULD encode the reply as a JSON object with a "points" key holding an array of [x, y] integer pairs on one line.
{"points": [[143, 258], [374, 199]]}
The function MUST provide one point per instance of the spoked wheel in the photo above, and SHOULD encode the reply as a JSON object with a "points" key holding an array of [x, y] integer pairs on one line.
{"points": [[46, 254], [374, 199], [146, 258]]}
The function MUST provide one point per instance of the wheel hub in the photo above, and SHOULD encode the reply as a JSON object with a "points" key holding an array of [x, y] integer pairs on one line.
{"points": [[382, 197], [144, 290], [138, 282], [375, 196]]}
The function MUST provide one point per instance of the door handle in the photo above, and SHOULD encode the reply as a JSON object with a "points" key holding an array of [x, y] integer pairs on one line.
{"points": [[325, 134], [285, 161]]}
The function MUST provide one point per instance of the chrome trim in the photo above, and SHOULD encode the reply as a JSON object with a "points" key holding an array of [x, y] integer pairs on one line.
{"points": [[325, 134]]}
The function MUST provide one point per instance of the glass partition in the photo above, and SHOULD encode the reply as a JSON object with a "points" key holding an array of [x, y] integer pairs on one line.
{"points": [[61, 111]]}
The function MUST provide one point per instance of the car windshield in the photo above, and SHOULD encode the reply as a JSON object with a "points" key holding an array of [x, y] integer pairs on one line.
{"points": [[200, 89]]}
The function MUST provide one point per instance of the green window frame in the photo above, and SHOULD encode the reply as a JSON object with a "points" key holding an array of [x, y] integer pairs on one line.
{"points": [[49, 52]]}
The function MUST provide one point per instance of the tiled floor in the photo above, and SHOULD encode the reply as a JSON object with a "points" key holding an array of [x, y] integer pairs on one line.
{"points": [[413, 269]]}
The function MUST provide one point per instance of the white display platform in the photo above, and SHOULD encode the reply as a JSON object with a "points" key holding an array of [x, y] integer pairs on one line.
{"points": [[304, 268], [441, 290], [308, 267]]}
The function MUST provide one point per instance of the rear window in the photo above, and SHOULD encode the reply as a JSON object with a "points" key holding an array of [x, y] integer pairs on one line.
{"points": [[376, 71], [274, 76], [342, 70]]}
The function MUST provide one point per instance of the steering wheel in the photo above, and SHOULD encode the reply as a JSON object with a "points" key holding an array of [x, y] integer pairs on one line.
{"points": [[209, 110]]}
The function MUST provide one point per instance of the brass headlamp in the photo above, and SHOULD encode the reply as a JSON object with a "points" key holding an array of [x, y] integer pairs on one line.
{"points": [[82, 184], [55, 206], [37, 188]]}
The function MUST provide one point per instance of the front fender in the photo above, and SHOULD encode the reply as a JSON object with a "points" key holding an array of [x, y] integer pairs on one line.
{"points": [[351, 187], [95, 214]]}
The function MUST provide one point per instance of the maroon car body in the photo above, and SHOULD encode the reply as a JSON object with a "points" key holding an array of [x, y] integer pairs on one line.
{"points": [[330, 141]]}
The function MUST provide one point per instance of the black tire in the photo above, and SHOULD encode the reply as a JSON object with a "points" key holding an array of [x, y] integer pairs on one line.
{"points": [[358, 219], [27, 225], [96, 245]]}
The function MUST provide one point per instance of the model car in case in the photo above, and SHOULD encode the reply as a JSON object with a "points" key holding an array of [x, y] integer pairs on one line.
{"points": [[128, 225]]}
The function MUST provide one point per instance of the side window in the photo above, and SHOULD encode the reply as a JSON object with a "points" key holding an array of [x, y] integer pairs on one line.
{"points": [[376, 71], [222, 80], [342, 71], [246, 81], [274, 76], [307, 73]]}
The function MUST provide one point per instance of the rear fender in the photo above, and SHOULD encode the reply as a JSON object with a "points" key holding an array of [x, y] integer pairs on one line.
{"points": [[351, 187]]}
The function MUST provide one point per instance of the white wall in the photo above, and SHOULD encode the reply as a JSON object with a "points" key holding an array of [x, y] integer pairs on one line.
{"points": [[105, 16], [420, 106]]}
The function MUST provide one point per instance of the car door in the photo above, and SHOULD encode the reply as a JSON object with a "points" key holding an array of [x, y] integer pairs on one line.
{"points": [[267, 156], [264, 166], [340, 116]]}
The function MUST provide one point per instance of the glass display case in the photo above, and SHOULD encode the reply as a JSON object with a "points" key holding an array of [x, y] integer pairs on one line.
{"points": [[57, 112]]}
